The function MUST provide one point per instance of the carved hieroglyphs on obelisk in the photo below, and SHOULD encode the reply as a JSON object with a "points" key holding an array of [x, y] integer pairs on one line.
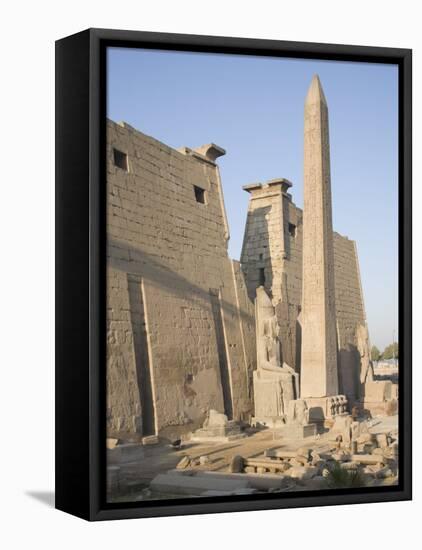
{"points": [[319, 341]]}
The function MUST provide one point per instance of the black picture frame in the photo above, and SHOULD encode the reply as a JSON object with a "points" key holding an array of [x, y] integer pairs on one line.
{"points": [[80, 271]]}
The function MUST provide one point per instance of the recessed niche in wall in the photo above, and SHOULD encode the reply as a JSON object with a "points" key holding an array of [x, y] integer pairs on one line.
{"points": [[199, 194], [120, 160]]}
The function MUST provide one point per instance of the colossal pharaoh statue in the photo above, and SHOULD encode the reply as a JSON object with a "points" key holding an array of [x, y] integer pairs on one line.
{"points": [[366, 367], [275, 386]]}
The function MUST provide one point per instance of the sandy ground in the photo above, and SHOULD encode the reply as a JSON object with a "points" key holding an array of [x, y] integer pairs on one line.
{"points": [[146, 462]]}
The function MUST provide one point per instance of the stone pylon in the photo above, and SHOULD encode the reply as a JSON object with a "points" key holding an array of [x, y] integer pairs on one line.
{"points": [[319, 376]]}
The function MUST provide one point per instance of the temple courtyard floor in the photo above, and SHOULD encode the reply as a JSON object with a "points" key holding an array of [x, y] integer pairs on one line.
{"points": [[137, 472]]}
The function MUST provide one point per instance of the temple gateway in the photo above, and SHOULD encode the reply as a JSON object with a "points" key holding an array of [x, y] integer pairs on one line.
{"points": [[276, 340]]}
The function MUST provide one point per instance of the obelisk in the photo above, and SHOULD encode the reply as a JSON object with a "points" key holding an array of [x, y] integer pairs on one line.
{"points": [[319, 376]]}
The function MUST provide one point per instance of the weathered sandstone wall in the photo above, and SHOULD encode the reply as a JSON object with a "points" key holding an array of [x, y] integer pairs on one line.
{"points": [[180, 325], [276, 255]]}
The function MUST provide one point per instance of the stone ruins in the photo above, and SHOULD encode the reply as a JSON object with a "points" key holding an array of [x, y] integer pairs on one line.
{"points": [[204, 348]]}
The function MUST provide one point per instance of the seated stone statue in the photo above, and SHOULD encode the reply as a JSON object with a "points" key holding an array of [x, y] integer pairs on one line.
{"points": [[275, 385]]}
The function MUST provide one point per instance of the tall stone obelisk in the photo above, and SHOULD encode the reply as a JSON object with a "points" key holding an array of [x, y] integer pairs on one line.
{"points": [[319, 376]]}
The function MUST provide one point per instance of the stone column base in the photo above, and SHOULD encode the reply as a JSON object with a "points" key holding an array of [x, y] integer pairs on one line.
{"points": [[296, 431], [379, 397], [321, 408], [229, 432]]}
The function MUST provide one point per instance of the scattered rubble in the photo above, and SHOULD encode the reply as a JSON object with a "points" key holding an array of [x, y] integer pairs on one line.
{"points": [[333, 461], [372, 455], [218, 428]]}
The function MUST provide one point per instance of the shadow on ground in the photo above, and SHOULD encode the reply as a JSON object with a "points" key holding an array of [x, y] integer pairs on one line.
{"points": [[45, 497]]}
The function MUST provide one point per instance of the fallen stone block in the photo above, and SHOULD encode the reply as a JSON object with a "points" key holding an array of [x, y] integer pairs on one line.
{"points": [[303, 460], [277, 453], [378, 451], [265, 464], [391, 407], [194, 485], [382, 440], [295, 431], [367, 459], [261, 482], [283, 467], [365, 438], [184, 463], [315, 457], [237, 464], [150, 440], [303, 473]]}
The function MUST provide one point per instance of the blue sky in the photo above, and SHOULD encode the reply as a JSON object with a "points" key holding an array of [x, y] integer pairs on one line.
{"points": [[253, 108]]}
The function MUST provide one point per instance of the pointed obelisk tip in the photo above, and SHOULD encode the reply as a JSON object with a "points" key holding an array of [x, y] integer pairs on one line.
{"points": [[315, 92]]}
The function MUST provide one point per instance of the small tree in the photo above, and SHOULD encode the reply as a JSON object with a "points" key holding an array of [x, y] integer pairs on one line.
{"points": [[375, 353], [391, 351]]}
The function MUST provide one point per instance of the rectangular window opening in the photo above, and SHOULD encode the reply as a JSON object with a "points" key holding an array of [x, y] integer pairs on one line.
{"points": [[292, 230], [261, 276], [120, 160], [199, 194]]}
